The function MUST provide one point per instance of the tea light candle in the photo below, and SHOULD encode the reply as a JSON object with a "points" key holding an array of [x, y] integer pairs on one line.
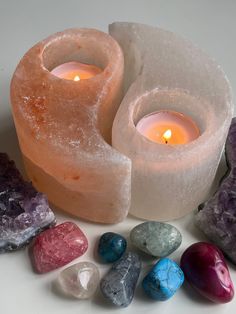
{"points": [[76, 71], [168, 127]]}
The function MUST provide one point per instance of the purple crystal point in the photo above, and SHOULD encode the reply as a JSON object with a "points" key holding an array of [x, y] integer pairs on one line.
{"points": [[217, 217], [24, 212]]}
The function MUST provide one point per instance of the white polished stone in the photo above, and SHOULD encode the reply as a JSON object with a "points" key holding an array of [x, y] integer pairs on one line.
{"points": [[80, 280]]}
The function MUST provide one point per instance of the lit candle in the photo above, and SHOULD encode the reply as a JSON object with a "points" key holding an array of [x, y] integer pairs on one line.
{"points": [[168, 127], [76, 71]]}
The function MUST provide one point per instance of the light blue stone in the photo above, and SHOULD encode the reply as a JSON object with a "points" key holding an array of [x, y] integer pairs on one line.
{"points": [[165, 278], [156, 238]]}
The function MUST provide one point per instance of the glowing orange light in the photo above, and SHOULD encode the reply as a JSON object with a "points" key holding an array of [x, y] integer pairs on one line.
{"points": [[76, 78], [167, 135]]}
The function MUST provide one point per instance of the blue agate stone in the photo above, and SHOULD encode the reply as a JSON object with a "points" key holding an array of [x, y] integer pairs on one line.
{"points": [[111, 247], [165, 278]]}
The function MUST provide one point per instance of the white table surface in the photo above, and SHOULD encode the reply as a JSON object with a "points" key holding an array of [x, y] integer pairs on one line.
{"points": [[211, 24]]}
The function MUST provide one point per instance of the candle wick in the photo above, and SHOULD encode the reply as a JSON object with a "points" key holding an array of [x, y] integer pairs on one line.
{"points": [[166, 141]]}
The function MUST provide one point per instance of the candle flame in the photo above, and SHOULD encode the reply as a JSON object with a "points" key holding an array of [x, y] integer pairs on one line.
{"points": [[167, 135], [76, 78]]}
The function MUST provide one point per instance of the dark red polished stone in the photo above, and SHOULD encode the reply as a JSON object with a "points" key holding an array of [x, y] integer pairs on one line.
{"points": [[205, 269], [58, 246]]}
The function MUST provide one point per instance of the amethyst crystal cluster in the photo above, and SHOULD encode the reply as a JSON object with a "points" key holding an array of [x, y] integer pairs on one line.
{"points": [[24, 212], [217, 217]]}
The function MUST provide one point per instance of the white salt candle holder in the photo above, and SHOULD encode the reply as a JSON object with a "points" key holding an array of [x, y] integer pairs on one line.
{"points": [[165, 72], [64, 125]]}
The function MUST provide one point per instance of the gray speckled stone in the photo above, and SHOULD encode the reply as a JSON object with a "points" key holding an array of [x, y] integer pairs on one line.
{"points": [[119, 284], [156, 238]]}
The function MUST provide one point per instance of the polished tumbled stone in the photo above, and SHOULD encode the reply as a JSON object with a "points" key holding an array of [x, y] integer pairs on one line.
{"points": [[217, 217], [24, 212], [163, 280], [111, 247], [119, 283], [79, 281], [58, 246], [205, 269], [156, 238]]}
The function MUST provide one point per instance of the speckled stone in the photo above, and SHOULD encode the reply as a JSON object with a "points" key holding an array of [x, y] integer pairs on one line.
{"points": [[58, 246], [79, 280], [165, 278], [111, 247], [156, 238], [217, 217], [119, 283], [24, 212]]}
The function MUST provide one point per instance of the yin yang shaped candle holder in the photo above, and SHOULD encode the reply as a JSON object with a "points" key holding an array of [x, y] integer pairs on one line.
{"points": [[166, 72], [64, 126]]}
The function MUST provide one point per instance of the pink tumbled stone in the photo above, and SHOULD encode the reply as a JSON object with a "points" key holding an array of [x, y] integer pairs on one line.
{"points": [[58, 246]]}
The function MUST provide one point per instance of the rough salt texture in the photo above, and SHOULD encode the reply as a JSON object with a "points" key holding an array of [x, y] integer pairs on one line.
{"points": [[71, 123], [162, 282], [217, 217], [119, 283], [24, 212], [79, 281], [166, 72], [111, 247], [205, 268], [156, 238], [58, 246]]}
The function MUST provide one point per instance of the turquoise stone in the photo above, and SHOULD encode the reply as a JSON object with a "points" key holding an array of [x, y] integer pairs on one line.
{"points": [[165, 278], [156, 238], [111, 247]]}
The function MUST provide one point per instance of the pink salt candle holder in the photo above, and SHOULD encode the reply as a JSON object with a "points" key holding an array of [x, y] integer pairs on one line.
{"points": [[64, 124], [164, 72]]}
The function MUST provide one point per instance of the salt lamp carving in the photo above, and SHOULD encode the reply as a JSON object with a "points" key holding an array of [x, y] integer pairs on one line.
{"points": [[64, 126], [166, 72]]}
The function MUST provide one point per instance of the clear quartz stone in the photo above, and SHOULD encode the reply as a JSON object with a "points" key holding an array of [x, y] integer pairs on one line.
{"points": [[79, 280]]}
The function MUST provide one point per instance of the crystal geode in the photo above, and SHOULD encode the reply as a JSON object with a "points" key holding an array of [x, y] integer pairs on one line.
{"points": [[166, 72], [24, 212], [71, 122], [217, 217]]}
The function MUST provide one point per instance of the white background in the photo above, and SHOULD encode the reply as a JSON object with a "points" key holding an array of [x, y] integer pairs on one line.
{"points": [[211, 24]]}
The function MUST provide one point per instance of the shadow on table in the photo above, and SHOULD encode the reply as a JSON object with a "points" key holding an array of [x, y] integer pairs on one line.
{"points": [[195, 296]]}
